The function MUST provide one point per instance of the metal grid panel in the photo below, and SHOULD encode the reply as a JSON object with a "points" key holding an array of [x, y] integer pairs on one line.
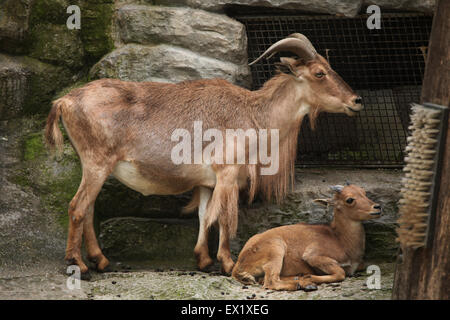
{"points": [[384, 66]]}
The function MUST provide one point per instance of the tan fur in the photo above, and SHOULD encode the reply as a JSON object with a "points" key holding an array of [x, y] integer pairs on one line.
{"points": [[124, 129], [297, 256]]}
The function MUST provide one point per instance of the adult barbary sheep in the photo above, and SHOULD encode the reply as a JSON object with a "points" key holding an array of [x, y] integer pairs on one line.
{"points": [[124, 129]]}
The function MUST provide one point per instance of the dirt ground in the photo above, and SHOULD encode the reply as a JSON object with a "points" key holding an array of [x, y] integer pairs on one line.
{"points": [[128, 281]]}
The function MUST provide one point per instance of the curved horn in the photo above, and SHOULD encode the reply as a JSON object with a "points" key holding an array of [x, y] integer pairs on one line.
{"points": [[304, 39], [295, 43]]}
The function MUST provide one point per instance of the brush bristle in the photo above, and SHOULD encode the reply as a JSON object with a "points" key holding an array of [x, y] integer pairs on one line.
{"points": [[420, 170]]}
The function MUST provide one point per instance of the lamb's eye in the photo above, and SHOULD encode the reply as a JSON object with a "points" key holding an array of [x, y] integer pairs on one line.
{"points": [[350, 200], [320, 74]]}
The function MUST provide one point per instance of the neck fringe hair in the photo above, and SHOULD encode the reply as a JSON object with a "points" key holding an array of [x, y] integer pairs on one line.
{"points": [[277, 186]]}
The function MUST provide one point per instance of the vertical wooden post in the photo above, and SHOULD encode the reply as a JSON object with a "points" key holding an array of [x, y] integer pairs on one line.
{"points": [[424, 273]]}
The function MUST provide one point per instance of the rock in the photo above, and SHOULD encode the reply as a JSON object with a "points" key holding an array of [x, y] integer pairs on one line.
{"points": [[427, 6], [50, 11], [13, 86], [348, 8], [166, 63], [342, 7], [208, 34], [33, 217], [116, 200], [96, 28], [167, 242], [27, 85], [14, 24], [57, 45]]}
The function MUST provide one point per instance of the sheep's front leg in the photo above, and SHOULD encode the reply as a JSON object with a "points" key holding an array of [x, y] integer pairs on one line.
{"points": [[201, 248], [224, 204]]}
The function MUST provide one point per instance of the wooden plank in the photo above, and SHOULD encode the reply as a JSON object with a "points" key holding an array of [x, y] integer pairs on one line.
{"points": [[425, 273]]}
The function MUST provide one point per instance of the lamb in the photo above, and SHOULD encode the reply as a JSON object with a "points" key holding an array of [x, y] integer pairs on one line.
{"points": [[301, 256]]}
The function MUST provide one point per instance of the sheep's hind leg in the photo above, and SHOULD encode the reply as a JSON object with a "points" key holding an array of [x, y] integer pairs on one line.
{"points": [[91, 183], [201, 248], [94, 253]]}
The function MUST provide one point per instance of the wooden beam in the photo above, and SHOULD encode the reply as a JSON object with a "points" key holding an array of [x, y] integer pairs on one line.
{"points": [[424, 273]]}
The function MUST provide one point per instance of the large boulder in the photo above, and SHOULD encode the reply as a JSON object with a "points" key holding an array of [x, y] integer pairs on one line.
{"points": [[165, 63], [208, 34]]}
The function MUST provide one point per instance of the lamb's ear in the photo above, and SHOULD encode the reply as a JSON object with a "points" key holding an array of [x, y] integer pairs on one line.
{"points": [[324, 202]]}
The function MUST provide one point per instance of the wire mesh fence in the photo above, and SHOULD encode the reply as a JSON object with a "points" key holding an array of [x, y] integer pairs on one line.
{"points": [[385, 66]]}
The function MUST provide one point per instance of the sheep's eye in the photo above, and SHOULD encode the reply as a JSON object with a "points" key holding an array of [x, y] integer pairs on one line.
{"points": [[320, 74], [350, 200]]}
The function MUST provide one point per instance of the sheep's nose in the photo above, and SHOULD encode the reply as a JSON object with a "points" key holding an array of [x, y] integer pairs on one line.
{"points": [[358, 100], [377, 206]]}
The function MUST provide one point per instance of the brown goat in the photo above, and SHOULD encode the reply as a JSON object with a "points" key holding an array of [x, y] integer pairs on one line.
{"points": [[300, 256], [124, 129]]}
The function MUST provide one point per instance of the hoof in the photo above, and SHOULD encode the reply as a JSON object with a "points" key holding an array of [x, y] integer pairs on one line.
{"points": [[310, 287], [204, 264], [227, 267], [101, 264], [104, 270]]}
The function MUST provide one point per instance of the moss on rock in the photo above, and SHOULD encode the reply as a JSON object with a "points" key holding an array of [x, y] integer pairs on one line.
{"points": [[56, 44], [50, 11], [96, 28], [54, 182]]}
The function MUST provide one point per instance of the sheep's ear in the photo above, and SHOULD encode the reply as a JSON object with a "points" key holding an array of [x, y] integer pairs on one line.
{"points": [[287, 65], [337, 188], [324, 202]]}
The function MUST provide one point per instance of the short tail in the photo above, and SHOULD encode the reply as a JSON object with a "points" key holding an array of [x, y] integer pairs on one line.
{"points": [[53, 136]]}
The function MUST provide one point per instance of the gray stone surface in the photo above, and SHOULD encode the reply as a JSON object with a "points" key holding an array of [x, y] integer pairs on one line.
{"points": [[336, 7], [165, 63], [27, 85], [14, 24], [344, 7], [31, 233], [427, 6], [208, 34]]}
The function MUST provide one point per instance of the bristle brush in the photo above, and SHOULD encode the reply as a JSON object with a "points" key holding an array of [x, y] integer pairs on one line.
{"points": [[420, 185]]}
